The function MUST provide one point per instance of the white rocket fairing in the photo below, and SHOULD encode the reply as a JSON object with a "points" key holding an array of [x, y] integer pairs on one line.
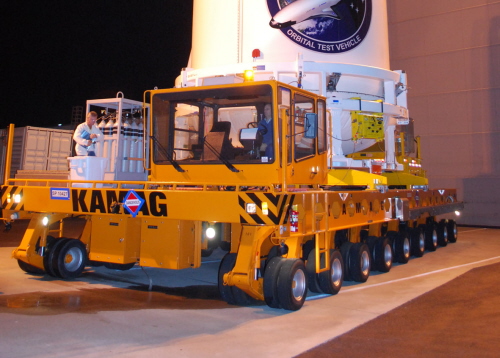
{"points": [[232, 36], [226, 32]]}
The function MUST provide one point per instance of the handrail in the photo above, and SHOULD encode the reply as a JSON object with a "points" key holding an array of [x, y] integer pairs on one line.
{"points": [[8, 157], [145, 133]]}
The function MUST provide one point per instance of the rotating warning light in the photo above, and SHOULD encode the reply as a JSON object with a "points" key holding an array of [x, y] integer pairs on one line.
{"points": [[248, 76], [256, 53]]}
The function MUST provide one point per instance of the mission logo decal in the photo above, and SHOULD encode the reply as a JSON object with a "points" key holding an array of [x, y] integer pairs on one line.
{"points": [[333, 26]]}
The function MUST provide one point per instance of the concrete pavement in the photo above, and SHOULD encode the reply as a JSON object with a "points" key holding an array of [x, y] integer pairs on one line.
{"points": [[112, 313]]}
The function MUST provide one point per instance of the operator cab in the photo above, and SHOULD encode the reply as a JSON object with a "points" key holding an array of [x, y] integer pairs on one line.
{"points": [[236, 133]]}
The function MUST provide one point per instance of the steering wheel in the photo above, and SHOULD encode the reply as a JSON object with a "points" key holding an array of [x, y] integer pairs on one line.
{"points": [[252, 125]]}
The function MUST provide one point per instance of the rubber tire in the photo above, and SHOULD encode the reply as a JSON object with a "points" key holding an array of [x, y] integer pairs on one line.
{"points": [[442, 232], [226, 265], [292, 284], [402, 247], [275, 251], [51, 242], [340, 238], [371, 241], [431, 240], [312, 277], [231, 294], [270, 288], [358, 267], [307, 248], [417, 241], [96, 263], [363, 235], [76, 250], [225, 245], [452, 231], [28, 268], [344, 250], [120, 267], [392, 236], [50, 257], [382, 255], [206, 252], [331, 281]]}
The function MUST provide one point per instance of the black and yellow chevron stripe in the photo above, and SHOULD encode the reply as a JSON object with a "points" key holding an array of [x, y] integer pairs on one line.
{"points": [[278, 206], [7, 194]]}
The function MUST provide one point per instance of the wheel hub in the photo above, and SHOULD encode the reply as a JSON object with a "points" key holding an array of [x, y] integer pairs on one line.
{"points": [[365, 263], [73, 259], [421, 240], [336, 272], [299, 285], [406, 247], [434, 238], [387, 254]]}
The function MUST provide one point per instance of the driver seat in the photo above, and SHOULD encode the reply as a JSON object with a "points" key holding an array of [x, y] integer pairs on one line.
{"points": [[218, 140], [250, 139]]}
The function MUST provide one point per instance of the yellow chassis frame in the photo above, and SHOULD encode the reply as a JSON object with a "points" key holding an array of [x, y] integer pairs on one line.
{"points": [[166, 232]]}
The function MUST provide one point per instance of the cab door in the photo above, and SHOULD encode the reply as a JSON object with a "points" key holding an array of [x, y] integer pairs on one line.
{"points": [[305, 156]]}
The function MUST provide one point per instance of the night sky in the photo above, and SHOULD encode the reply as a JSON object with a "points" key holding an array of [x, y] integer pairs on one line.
{"points": [[56, 54]]}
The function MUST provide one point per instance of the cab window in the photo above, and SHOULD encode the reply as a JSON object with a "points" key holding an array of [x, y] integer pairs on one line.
{"points": [[303, 147], [234, 124]]}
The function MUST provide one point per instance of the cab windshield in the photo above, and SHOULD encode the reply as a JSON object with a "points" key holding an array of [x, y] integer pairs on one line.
{"points": [[230, 125]]}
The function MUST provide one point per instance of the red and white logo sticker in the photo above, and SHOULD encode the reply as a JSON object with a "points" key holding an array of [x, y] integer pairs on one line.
{"points": [[133, 203]]}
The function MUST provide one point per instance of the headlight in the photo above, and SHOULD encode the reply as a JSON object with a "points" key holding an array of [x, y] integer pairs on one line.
{"points": [[45, 220], [265, 208]]}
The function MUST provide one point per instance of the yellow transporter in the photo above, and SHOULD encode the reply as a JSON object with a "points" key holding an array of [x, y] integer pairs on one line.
{"points": [[215, 157]]}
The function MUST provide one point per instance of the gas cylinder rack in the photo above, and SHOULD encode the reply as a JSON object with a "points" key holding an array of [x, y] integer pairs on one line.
{"points": [[122, 122]]}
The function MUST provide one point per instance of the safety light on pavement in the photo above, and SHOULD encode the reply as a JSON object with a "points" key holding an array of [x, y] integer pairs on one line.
{"points": [[210, 233]]}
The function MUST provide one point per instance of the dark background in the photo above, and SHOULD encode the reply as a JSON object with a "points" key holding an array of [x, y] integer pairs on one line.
{"points": [[57, 54]]}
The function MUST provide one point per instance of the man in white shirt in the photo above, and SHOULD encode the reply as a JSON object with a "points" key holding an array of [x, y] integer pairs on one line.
{"points": [[86, 135]]}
